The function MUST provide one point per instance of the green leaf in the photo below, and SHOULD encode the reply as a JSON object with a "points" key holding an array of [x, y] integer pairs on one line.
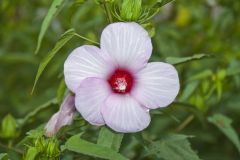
{"points": [[188, 91], [52, 12], [173, 147], [223, 123], [110, 139], [31, 154], [180, 60], [76, 144], [3, 156], [203, 74], [68, 35]]}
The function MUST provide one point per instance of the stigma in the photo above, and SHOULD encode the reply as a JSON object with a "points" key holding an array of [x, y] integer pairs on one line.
{"points": [[121, 81]]}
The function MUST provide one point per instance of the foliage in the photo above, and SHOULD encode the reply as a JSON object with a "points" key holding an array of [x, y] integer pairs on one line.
{"points": [[201, 38], [173, 147], [224, 124]]}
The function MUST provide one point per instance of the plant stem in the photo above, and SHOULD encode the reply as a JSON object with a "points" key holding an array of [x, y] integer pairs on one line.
{"points": [[89, 40], [10, 142], [14, 149], [108, 12], [185, 123]]}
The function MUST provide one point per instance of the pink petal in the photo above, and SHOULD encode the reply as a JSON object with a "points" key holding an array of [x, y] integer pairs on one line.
{"points": [[128, 44], [63, 117], [50, 128], [85, 61], [157, 85], [123, 113], [90, 98]]}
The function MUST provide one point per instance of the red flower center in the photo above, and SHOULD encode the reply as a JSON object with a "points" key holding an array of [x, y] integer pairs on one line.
{"points": [[121, 81]]}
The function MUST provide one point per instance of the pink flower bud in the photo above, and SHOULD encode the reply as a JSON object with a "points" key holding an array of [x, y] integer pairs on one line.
{"points": [[63, 117]]}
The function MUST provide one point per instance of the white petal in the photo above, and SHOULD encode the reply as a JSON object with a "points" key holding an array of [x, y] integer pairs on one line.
{"points": [[157, 85], [84, 62], [90, 98], [128, 44], [124, 114]]}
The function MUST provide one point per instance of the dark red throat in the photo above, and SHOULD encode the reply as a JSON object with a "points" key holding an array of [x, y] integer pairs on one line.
{"points": [[121, 81]]}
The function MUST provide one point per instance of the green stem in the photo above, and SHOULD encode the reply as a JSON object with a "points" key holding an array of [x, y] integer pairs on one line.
{"points": [[10, 142], [14, 149], [185, 123], [108, 12], [89, 40]]}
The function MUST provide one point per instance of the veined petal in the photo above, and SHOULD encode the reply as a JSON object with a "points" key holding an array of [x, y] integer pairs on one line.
{"points": [[124, 114], [157, 85], [85, 61], [90, 97], [127, 44]]}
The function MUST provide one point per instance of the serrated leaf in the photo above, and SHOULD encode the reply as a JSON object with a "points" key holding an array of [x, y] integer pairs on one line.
{"points": [[52, 12], [180, 60], [3, 156], [223, 123], [173, 147], [110, 139], [65, 37], [76, 144]]}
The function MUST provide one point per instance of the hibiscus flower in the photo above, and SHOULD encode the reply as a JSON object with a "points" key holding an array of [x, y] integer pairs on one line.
{"points": [[114, 84]]}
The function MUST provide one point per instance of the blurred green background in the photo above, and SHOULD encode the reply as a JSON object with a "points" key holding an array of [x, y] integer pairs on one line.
{"points": [[182, 28]]}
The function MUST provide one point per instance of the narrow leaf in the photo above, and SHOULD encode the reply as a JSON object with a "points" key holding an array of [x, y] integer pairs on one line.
{"points": [[188, 90], [76, 144], [110, 139], [173, 147], [52, 12], [180, 60], [201, 75], [61, 42], [223, 123]]}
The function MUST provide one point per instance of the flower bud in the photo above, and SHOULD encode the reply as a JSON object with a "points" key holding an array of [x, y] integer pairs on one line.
{"points": [[9, 127], [63, 117], [52, 148], [40, 144], [31, 153], [131, 10]]}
